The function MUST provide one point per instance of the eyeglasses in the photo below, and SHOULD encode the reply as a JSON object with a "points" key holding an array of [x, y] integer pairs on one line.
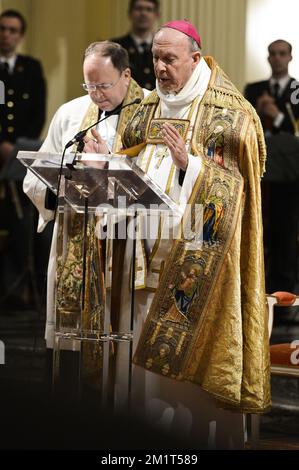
{"points": [[100, 86], [10, 29]]}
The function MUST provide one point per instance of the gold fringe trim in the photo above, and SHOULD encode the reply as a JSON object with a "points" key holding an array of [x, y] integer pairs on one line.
{"points": [[222, 93]]}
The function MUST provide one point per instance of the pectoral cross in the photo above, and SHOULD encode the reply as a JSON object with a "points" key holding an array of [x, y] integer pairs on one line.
{"points": [[161, 153]]}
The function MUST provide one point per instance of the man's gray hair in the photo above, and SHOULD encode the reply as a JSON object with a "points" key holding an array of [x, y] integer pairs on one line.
{"points": [[118, 55], [194, 47]]}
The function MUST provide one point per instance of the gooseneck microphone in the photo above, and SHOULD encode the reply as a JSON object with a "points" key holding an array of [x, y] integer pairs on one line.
{"points": [[80, 135]]}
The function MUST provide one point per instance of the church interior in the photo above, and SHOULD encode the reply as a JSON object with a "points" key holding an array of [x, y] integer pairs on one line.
{"points": [[45, 405]]}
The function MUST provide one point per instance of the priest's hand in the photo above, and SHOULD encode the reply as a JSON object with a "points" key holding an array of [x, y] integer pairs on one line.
{"points": [[95, 145], [266, 106], [176, 145]]}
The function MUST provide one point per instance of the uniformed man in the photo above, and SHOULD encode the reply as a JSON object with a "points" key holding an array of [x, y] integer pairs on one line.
{"points": [[22, 116], [138, 42], [279, 115]]}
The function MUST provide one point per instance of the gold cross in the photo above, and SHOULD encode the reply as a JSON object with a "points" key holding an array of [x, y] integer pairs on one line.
{"points": [[160, 156]]}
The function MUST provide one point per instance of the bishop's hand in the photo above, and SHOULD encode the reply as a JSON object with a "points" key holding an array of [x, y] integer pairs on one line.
{"points": [[176, 145]]}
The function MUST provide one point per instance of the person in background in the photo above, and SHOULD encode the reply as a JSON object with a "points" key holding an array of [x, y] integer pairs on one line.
{"points": [[279, 115], [23, 114], [143, 15], [22, 117], [271, 97]]}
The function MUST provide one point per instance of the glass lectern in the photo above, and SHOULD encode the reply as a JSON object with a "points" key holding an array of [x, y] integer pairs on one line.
{"points": [[100, 198]]}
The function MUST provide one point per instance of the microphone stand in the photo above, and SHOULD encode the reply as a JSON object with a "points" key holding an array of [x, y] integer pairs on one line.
{"points": [[59, 181]]}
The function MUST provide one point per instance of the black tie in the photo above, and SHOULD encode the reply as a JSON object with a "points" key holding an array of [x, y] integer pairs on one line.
{"points": [[276, 89], [144, 46], [114, 111], [4, 66]]}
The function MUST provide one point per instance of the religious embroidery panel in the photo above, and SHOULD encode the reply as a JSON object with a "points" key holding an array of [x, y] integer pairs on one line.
{"points": [[136, 131], [70, 276], [154, 135], [180, 305]]}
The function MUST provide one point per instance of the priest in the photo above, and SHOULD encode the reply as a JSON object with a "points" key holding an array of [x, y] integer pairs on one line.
{"points": [[109, 86]]}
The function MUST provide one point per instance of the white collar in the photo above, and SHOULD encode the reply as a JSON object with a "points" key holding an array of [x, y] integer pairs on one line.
{"points": [[283, 81], [195, 87], [138, 40]]}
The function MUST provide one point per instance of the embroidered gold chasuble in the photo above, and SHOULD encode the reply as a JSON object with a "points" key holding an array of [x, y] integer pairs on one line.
{"points": [[207, 323]]}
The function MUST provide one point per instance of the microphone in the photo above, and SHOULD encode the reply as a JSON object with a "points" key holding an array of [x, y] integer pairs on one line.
{"points": [[80, 135]]}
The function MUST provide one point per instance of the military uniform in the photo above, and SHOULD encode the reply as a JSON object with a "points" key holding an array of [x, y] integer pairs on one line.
{"points": [[253, 91], [23, 114], [141, 64], [280, 187]]}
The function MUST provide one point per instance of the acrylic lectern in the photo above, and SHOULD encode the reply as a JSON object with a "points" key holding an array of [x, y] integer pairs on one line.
{"points": [[99, 201]]}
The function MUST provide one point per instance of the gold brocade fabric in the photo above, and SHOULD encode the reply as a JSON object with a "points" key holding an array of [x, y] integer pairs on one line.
{"points": [[208, 320], [69, 279], [154, 135]]}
